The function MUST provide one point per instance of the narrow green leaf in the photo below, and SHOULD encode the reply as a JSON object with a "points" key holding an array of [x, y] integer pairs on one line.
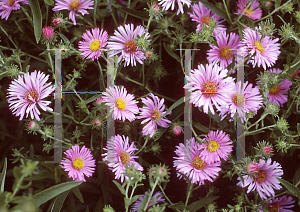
{"points": [[134, 198], [178, 205], [65, 39], [87, 209], [296, 178], [59, 201], [122, 190], [200, 127], [195, 206], [37, 19], [144, 202], [47, 194], [171, 53], [3, 175], [293, 189], [298, 128], [215, 9], [78, 194], [138, 14], [93, 98], [176, 104], [49, 2]]}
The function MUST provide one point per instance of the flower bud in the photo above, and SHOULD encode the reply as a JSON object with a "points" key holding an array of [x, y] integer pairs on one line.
{"points": [[252, 167], [48, 32]]}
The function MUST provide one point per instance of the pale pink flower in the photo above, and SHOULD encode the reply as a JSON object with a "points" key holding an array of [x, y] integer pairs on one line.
{"points": [[74, 6], [79, 163], [151, 111], [93, 44], [28, 91], [166, 4], [264, 181], [6, 6], [120, 153], [123, 43], [282, 204], [253, 12]]}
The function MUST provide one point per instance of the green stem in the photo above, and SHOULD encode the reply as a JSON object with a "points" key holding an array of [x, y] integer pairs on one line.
{"points": [[101, 75], [148, 25], [125, 18], [95, 11], [143, 70], [142, 146], [48, 136], [251, 132], [262, 117], [225, 6], [112, 14], [17, 188], [181, 58], [190, 188], [152, 191]]}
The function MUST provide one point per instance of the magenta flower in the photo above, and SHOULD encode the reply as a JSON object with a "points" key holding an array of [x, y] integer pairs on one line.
{"points": [[253, 12], [280, 205], [217, 147], [151, 111], [73, 6], [48, 32], [157, 195], [227, 45], [79, 163], [244, 100], [278, 94], [263, 51], [6, 6], [120, 153], [28, 91], [190, 163], [264, 181], [93, 44], [121, 104], [210, 86], [166, 4], [201, 14], [123, 43]]}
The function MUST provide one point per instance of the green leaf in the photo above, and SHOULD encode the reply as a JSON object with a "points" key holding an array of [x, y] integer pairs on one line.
{"points": [[176, 104], [92, 99], [37, 19], [134, 198], [65, 39], [78, 194], [58, 202], [122, 190], [195, 206], [178, 205], [47, 194], [49, 2], [171, 53], [293, 189], [298, 128], [200, 127], [3, 175], [296, 178], [215, 9], [144, 202], [138, 14]]}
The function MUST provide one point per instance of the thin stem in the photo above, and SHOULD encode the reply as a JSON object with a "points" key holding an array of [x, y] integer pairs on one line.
{"points": [[95, 11], [152, 191], [149, 21], [142, 146], [166, 196], [225, 6], [263, 128], [101, 75], [143, 70], [17, 187], [190, 188], [181, 59], [125, 18], [112, 14], [48, 136]]}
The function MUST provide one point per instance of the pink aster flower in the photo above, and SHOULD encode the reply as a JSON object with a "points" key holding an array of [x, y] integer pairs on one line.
{"points": [[93, 44], [151, 111], [123, 43], [28, 91], [120, 153], [202, 14], [166, 4], [79, 163], [244, 100], [278, 94], [121, 104], [210, 86], [296, 74], [191, 163], [280, 205], [158, 196], [6, 6], [264, 181], [253, 12], [73, 6], [263, 51], [227, 45], [217, 147]]}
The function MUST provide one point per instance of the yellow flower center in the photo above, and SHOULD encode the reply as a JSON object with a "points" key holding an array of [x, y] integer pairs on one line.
{"points": [[94, 46], [198, 163], [275, 90], [34, 95], [11, 2], [238, 99], [205, 19], [225, 52], [209, 89], [257, 45], [248, 12], [120, 103], [273, 207], [75, 4], [124, 157], [130, 46], [155, 114], [213, 146], [260, 176], [78, 163]]}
